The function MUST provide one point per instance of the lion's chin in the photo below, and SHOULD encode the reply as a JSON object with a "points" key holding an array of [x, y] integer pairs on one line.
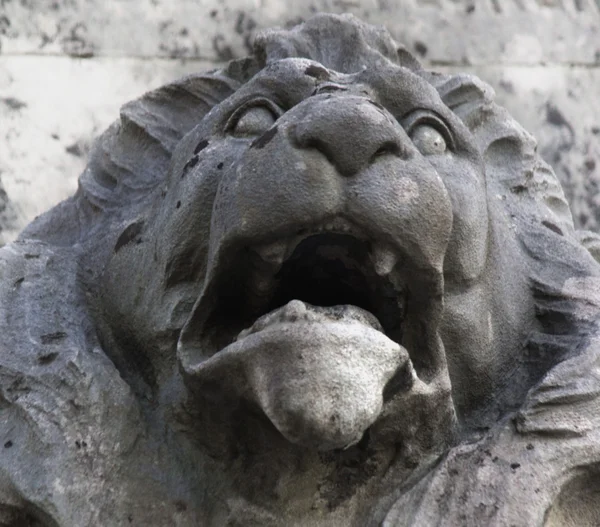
{"points": [[319, 374]]}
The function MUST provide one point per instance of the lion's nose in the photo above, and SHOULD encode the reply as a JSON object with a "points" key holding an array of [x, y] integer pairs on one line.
{"points": [[351, 132]]}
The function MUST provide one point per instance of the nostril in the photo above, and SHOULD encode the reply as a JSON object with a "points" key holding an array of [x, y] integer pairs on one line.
{"points": [[387, 148], [321, 146]]}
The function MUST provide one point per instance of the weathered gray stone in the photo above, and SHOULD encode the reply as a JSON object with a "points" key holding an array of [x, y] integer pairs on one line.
{"points": [[319, 286]]}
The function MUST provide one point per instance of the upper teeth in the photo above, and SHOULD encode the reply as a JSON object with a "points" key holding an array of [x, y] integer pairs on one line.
{"points": [[274, 254], [384, 260]]}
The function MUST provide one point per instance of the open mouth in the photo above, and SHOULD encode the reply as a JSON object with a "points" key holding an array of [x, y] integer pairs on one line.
{"points": [[333, 268]]}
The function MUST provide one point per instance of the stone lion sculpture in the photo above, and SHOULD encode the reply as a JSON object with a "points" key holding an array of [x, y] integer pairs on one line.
{"points": [[319, 286]]}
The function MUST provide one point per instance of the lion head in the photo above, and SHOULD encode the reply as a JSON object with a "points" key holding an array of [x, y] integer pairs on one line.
{"points": [[326, 243]]}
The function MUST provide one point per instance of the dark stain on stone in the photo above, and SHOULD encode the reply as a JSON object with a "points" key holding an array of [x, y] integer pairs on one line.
{"points": [[590, 164], [8, 444], [190, 164], [76, 43], [219, 166], [75, 150], [201, 146], [19, 281], [264, 139], [180, 506], [4, 23], [13, 103], [239, 24], [178, 205], [421, 48], [129, 234], [213, 13], [47, 358], [244, 27], [53, 338], [222, 49], [515, 466], [317, 72], [518, 189], [552, 227], [555, 116]]}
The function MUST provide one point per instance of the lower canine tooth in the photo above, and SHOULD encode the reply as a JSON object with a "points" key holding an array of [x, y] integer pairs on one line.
{"points": [[384, 260], [272, 253]]}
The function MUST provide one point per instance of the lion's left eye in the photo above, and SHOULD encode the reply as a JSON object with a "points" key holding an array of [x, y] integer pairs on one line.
{"points": [[428, 140], [253, 121]]}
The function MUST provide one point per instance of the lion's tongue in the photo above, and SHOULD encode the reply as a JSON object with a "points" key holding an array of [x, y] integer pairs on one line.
{"points": [[319, 373], [298, 311]]}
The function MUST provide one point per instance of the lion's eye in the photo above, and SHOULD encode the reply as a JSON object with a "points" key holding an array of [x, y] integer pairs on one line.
{"points": [[428, 140], [253, 121]]}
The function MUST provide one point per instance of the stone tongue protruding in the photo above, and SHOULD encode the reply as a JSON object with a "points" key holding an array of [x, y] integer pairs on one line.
{"points": [[296, 310]]}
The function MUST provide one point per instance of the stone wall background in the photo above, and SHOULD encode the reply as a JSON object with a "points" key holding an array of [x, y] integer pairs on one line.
{"points": [[66, 66]]}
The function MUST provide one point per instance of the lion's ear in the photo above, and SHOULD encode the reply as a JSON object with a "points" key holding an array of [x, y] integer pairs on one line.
{"points": [[133, 156], [514, 169]]}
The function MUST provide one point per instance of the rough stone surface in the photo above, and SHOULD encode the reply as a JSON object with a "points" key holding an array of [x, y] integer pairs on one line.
{"points": [[321, 285], [541, 57]]}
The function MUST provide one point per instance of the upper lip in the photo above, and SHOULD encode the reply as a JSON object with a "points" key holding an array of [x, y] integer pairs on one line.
{"points": [[329, 263]]}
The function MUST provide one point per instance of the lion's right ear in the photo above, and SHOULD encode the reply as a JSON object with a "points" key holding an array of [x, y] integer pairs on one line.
{"points": [[133, 155]]}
